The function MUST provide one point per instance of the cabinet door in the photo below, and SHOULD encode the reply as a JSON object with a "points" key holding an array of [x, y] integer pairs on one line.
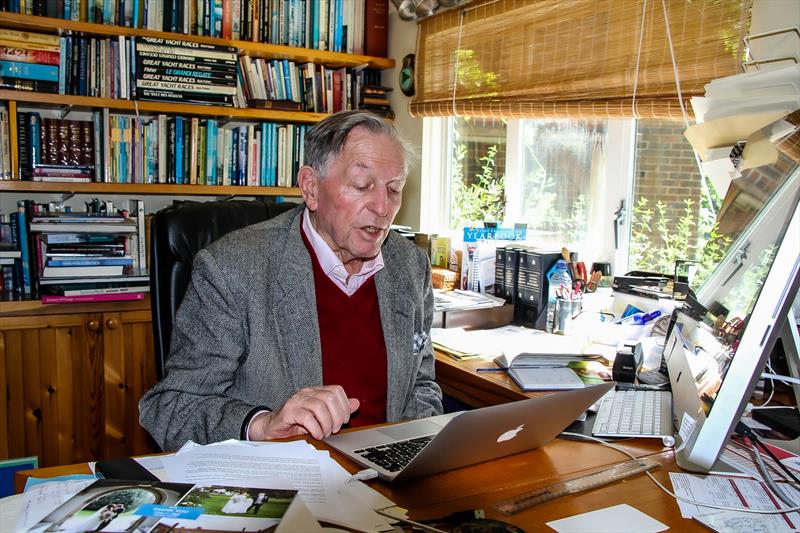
{"points": [[70, 386], [129, 363], [49, 401]]}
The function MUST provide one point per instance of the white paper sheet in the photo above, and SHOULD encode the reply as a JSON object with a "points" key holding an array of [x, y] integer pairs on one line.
{"points": [[730, 492], [611, 519], [41, 499]]}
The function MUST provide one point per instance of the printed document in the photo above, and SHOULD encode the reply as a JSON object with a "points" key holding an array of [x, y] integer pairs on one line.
{"points": [[322, 483]]}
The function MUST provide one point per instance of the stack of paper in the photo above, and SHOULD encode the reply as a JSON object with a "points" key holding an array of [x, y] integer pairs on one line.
{"points": [[507, 341], [459, 300], [747, 107], [323, 485], [327, 495]]}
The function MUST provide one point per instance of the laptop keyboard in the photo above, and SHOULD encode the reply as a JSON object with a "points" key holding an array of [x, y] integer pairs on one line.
{"points": [[633, 413], [394, 456]]}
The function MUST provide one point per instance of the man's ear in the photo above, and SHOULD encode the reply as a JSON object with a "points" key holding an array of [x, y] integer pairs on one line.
{"points": [[307, 181]]}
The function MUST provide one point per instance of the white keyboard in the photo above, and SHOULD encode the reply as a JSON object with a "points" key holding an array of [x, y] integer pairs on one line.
{"points": [[634, 413]]}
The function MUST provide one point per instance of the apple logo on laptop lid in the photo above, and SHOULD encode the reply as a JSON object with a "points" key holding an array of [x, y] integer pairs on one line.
{"points": [[510, 434]]}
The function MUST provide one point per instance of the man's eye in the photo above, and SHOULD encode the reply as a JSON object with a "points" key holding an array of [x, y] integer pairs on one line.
{"points": [[395, 191]]}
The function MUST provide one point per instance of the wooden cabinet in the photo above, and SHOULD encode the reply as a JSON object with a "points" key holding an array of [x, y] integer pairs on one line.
{"points": [[71, 383]]}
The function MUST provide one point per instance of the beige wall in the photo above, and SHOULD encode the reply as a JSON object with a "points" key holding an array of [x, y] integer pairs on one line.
{"points": [[402, 41]]}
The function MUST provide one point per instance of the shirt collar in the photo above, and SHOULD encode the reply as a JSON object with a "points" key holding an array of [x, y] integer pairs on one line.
{"points": [[330, 263]]}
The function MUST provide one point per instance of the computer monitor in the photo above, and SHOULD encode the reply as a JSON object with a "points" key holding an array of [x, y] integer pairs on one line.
{"points": [[716, 349]]}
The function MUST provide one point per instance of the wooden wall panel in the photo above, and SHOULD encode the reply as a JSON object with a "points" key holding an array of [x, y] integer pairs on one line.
{"points": [[31, 394], [114, 385], [15, 394], [64, 391], [93, 393], [48, 396], [3, 400]]}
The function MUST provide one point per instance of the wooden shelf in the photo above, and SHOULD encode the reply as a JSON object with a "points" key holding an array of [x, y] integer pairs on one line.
{"points": [[145, 188], [267, 51], [36, 307]]}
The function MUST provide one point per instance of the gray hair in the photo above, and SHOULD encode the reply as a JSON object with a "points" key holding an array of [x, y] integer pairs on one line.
{"points": [[327, 138]]}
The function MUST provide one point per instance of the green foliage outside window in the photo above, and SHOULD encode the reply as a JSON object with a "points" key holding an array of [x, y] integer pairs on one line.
{"points": [[481, 199], [692, 238]]}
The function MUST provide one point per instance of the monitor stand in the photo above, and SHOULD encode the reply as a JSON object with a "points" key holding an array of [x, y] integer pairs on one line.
{"points": [[791, 344]]}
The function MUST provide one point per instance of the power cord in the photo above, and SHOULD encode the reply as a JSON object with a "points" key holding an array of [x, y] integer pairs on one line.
{"points": [[745, 431], [681, 498]]}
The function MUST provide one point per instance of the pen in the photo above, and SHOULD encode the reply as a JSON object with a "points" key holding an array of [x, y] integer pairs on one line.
{"points": [[519, 366]]}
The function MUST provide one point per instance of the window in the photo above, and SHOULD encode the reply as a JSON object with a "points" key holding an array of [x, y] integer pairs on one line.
{"points": [[567, 181]]}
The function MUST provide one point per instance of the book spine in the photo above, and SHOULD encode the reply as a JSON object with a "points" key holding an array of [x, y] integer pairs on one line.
{"points": [[187, 87], [141, 55], [194, 77], [188, 44], [85, 298], [185, 97], [153, 61], [89, 262], [29, 71], [27, 37], [41, 57]]}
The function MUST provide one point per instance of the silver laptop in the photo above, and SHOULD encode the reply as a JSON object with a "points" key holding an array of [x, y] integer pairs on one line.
{"points": [[421, 447]]}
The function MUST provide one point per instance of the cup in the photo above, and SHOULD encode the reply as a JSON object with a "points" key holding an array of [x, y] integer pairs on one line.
{"points": [[566, 310]]}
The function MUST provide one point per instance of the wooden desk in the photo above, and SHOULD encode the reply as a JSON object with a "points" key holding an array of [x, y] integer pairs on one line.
{"points": [[478, 486]]}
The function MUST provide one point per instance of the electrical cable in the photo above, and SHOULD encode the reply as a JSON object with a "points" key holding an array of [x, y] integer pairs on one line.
{"points": [[681, 498], [762, 467], [742, 429], [771, 392]]}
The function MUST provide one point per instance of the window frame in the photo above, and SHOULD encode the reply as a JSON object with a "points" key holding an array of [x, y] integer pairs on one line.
{"points": [[617, 187]]}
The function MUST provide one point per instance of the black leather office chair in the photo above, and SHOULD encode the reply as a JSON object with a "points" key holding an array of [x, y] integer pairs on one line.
{"points": [[177, 233]]}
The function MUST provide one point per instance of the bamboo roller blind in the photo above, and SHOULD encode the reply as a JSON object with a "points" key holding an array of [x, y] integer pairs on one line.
{"points": [[575, 58]]}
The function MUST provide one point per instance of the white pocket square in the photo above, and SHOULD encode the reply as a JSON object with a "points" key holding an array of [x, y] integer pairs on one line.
{"points": [[419, 341]]}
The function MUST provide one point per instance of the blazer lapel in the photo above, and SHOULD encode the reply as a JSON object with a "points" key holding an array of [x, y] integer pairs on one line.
{"points": [[397, 319], [295, 312]]}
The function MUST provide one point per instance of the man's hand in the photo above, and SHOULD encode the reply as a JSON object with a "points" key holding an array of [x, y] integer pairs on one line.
{"points": [[317, 411]]}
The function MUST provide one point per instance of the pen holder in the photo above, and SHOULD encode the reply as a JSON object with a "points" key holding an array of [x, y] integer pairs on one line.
{"points": [[566, 310]]}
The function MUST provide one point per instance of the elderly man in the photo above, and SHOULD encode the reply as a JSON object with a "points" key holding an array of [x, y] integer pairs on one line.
{"points": [[312, 320]]}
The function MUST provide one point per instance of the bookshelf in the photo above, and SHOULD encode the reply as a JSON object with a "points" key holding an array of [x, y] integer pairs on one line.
{"points": [[75, 372]]}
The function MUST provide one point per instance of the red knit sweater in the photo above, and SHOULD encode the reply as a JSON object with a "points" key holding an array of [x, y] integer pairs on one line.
{"points": [[353, 348]]}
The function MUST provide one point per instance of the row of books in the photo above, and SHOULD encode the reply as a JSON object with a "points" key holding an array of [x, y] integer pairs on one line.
{"points": [[65, 256], [284, 84], [192, 151], [149, 68], [54, 147], [351, 26], [155, 149]]}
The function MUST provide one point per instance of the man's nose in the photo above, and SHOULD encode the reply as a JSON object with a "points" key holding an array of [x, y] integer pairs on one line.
{"points": [[379, 201]]}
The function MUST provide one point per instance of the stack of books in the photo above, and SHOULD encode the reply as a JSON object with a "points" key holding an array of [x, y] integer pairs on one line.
{"points": [[373, 98], [184, 71], [10, 256], [51, 149], [83, 257], [29, 61]]}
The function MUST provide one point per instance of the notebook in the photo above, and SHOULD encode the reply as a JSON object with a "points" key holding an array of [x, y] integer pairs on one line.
{"points": [[422, 447]]}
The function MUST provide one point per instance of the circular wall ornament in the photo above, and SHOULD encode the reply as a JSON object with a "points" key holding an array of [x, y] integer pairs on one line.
{"points": [[407, 75]]}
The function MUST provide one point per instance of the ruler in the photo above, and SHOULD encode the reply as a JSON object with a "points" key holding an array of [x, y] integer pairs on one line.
{"points": [[617, 472]]}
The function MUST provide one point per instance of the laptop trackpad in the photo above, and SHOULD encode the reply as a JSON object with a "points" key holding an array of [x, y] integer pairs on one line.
{"points": [[409, 430]]}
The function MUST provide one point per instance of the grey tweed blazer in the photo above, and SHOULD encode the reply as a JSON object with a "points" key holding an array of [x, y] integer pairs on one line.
{"points": [[247, 335]]}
